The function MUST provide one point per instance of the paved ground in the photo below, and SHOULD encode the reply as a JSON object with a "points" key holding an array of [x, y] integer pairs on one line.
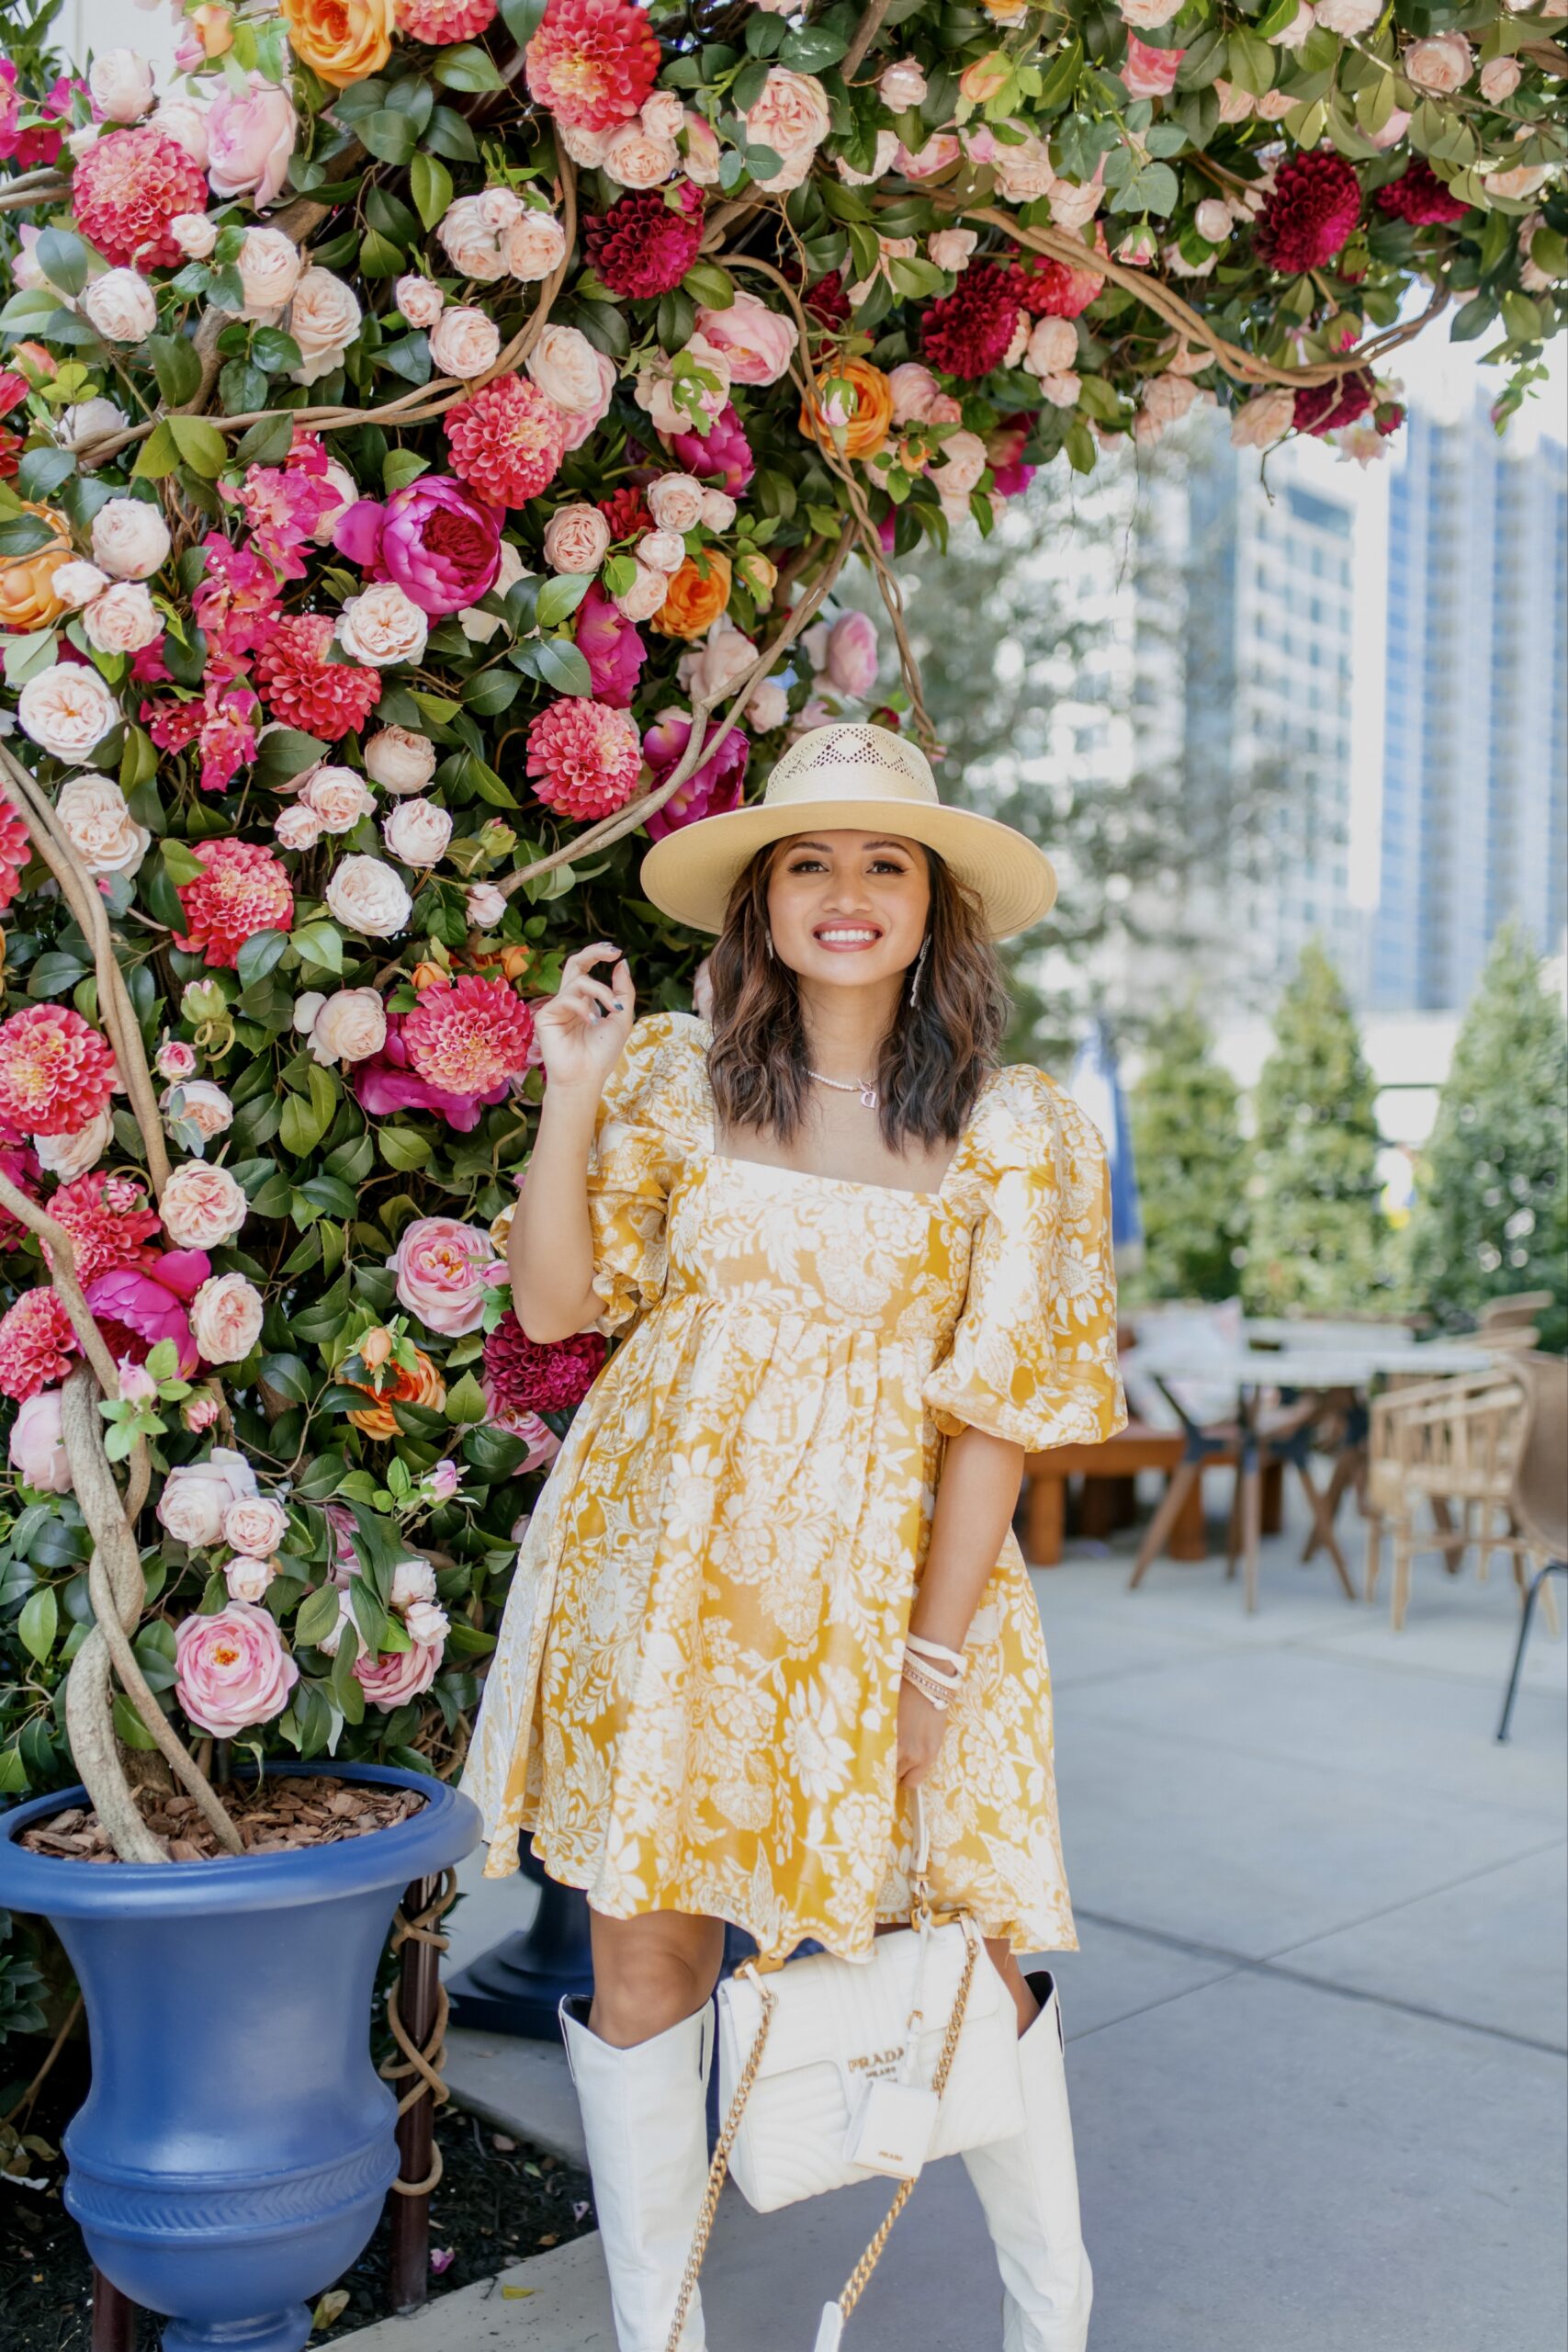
{"points": [[1317, 2023]]}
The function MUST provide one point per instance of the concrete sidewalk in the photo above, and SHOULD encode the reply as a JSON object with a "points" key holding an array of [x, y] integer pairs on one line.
{"points": [[1317, 2023]]}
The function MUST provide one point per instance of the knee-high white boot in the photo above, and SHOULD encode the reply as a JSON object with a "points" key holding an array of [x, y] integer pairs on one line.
{"points": [[645, 2121], [1029, 2189]]}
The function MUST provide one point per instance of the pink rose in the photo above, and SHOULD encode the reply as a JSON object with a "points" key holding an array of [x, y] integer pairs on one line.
{"points": [[852, 652], [36, 1447], [402, 1674], [703, 152], [1441, 64], [758, 343], [400, 760], [635, 160], [675, 502], [483, 905], [338, 799], [420, 300], [202, 1207], [257, 1523], [247, 1578], [446, 1269], [577, 539], [250, 140], [914, 389], [533, 246], [417, 831], [226, 1321], [198, 1494], [232, 1669], [464, 342], [902, 85], [1150, 72], [199, 1103], [174, 1059], [347, 1027], [119, 84]]}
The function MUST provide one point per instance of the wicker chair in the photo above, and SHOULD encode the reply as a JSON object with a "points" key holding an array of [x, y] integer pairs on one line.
{"points": [[1539, 1499], [1449, 1444]]}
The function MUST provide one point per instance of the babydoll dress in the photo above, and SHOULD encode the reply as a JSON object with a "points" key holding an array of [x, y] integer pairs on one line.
{"points": [[693, 1704]]}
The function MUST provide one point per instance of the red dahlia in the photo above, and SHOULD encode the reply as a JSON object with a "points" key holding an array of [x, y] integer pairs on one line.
{"points": [[627, 512], [1049, 289], [584, 757], [507, 440], [524, 1375], [592, 62], [469, 1037], [241, 890], [302, 688], [827, 300], [108, 1218], [440, 21], [15, 848], [967, 332], [126, 190], [643, 246], [1324, 408], [37, 1344], [1420, 198], [56, 1070], [1315, 203]]}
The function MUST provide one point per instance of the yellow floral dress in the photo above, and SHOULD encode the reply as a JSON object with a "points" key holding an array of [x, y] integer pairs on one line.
{"points": [[693, 1704]]}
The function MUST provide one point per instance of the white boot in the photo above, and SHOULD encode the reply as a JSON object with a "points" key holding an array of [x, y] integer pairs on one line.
{"points": [[1029, 2189], [645, 2121]]}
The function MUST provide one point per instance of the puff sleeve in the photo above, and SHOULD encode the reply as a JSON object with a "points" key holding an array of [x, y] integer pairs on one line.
{"points": [[632, 1163], [1033, 1352]]}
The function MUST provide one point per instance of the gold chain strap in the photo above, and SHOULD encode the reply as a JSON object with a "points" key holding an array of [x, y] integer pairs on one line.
{"points": [[855, 2285]]}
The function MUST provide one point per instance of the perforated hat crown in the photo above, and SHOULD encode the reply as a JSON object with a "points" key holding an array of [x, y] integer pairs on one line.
{"points": [[853, 777]]}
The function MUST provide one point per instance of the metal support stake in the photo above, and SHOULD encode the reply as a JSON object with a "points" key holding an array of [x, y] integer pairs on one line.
{"points": [[418, 1993], [114, 2317]]}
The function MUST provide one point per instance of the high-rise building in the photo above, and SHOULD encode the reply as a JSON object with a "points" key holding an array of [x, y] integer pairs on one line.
{"points": [[1475, 763]]}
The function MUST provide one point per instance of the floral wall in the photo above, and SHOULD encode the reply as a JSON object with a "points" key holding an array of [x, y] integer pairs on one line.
{"points": [[431, 432]]}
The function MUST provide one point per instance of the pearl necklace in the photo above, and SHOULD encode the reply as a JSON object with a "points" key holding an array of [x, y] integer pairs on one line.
{"points": [[864, 1087]]}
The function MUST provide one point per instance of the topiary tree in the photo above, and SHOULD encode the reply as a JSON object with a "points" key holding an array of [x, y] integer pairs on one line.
{"points": [[1490, 1211], [1192, 1165], [1318, 1235]]}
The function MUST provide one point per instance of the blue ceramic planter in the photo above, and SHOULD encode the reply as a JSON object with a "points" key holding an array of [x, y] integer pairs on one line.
{"points": [[232, 2157]]}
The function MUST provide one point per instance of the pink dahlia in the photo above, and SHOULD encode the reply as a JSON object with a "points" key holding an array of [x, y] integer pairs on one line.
{"points": [[20, 1163], [1049, 289], [1421, 197], [711, 790], [56, 1070], [301, 687], [108, 1219], [387, 1085], [967, 332], [1324, 408], [592, 62], [234, 603], [15, 848], [524, 1375], [1314, 204], [583, 757], [611, 647], [722, 457], [438, 22], [126, 190], [440, 543], [37, 1344], [137, 1306], [643, 246], [507, 440], [242, 890], [469, 1036]]}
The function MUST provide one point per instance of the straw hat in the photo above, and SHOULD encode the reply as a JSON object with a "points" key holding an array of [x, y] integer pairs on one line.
{"points": [[857, 778]]}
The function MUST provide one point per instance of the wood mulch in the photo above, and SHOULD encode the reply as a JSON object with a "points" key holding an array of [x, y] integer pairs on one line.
{"points": [[272, 1816]]}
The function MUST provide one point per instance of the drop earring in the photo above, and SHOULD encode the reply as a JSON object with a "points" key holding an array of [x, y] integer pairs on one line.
{"points": [[769, 938], [915, 974]]}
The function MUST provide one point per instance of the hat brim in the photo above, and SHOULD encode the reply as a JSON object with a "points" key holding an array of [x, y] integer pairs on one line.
{"points": [[688, 873]]}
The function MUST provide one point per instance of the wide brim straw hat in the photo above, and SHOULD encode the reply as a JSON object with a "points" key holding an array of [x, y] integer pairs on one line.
{"points": [[850, 777]]}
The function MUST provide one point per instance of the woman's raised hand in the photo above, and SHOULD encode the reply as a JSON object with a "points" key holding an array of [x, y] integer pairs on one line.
{"points": [[583, 1028]]}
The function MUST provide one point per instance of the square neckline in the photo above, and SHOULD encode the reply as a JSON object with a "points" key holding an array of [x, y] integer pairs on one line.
{"points": [[847, 1183]]}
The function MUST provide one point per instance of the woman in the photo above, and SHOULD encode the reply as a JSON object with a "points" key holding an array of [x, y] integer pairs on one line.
{"points": [[771, 1584]]}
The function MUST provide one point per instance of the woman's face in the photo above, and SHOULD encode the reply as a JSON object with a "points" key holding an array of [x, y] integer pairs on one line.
{"points": [[849, 909]]}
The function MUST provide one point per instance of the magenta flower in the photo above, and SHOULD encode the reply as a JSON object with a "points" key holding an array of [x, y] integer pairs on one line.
{"points": [[139, 1305], [724, 456], [611, 647], [439, 542], [712, 790], [387, 1083]]}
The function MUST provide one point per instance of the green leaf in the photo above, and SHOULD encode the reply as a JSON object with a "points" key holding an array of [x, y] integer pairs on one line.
{"points": [[319, 944], [390, 135], [563, 667], [276, 352], [465, 1402], [40, 472], [285, 754], [157, 456], [291, 1376], [378, 257], [300, 1130], [53, 973], [39, 1621], [267, 444], [176, 363], [559, 598], [402, 1147], [813, 49], [1275, 18], [710, 284], [430, 185], [181, 863], [316, 1615], [258, 954], [467, 67], [200, 444], [521, 19], [64, 258], [447, 134], [129, 1727]]}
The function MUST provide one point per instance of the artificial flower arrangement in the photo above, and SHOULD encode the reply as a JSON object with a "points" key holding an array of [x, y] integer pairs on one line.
{"points": [[431, 432]]}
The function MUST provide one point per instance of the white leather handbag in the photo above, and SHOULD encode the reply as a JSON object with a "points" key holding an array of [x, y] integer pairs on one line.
{"points": [[831, 2071]]}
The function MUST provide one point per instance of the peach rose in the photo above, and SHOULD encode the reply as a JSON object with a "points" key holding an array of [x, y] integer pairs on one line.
{"points": [[323, 318], [297, 828], [655, 387], [768, 706], [577, 539], [225, 1323], [420, 300], [198, 1102], [121, 305], [758, 343], [119, 84], [645, 596], [400, 760], [1053, 346], [884, 157], [471, 231], [565, 366], [197, 1495], [1264, 419], [533, 246], [366, 896], [257, 1523], [902, 85], [67, 710], [247, 1579], [694, 597], [194, 233], [719, 509], [1441, 64], [464, 342], [347, 1027], [661, 550], [791, 115], [202, 1206], [99, 826], [77, 583], [720, 664], [951, 248], [417, 831], [1500, 77], [131, 539], [73, 1155], [37, 1448], [1348, 17], [1025, 173], [29, 599], [122, 619], [675, 502], [270, 267], [703, 152], [338, 799], [382, 625], [635, 160], [341, 40]]}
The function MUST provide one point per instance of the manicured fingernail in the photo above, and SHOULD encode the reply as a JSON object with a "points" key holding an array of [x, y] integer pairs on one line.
{"points": [[619, 1006]]}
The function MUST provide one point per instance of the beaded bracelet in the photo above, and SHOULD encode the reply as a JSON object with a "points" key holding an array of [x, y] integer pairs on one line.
{"points": [[927, 1685]]}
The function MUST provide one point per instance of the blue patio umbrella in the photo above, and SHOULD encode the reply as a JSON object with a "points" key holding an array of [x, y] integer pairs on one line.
{"points": [[1096, 1087]]}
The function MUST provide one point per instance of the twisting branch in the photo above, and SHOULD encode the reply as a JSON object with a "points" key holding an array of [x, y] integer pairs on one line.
{"points": [[865, 33]]}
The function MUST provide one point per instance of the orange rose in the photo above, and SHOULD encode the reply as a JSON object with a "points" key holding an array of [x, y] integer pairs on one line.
{"points": [[340, 40], [860, 418], [27, 600], [424, 1387], [696, 596], [513, 960]]}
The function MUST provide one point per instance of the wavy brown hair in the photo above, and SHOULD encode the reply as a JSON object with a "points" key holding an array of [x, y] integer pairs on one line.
{"points": [[933, 1060]]}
